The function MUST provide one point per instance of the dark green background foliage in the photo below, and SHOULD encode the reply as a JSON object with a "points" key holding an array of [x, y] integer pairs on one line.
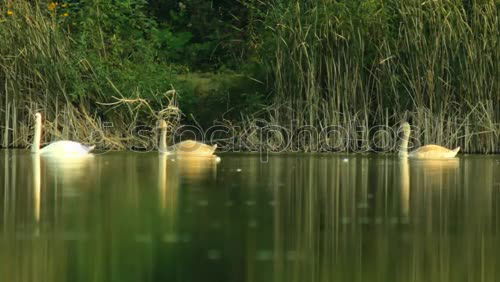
{"points": [[325, 62], [147, 47]]}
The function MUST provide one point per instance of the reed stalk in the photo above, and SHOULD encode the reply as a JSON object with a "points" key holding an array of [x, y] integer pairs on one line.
{"points": [[355, 63], [40, 72]]}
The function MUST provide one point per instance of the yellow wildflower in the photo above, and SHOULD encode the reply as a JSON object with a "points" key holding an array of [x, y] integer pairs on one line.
{"points": [[64, 5], [52, 6], [10, 12], [65, 14]]}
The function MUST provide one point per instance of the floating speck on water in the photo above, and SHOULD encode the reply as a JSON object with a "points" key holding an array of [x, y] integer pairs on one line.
{"points": [[238, 170], [71, 193], [170, 238], [73, 236], [202, 203], [213, 254], [405, 220], [143, 238], [364, 220], [216, 225], [264, 255], [252, 223], [345, 220], [291, 255], [345, 160], [217, 159], [229, 203], [250, 203], [362, 205], [186, 238]]}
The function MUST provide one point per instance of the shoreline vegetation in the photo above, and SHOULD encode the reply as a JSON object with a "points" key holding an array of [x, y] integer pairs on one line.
{"points": [[101, 70]]}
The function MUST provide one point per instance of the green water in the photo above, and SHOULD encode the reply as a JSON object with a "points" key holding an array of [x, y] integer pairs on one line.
{"points": [[141, 217]]}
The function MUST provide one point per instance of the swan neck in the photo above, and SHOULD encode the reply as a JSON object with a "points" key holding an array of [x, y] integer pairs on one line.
{"points": [[163, 141], [35, 147], [403, 149]]}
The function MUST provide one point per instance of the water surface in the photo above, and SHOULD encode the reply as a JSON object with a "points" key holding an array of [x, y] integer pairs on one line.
{"points": [[297, 217]]}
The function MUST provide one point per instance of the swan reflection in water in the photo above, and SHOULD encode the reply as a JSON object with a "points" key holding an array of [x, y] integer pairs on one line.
{"points": [[430, 172], [168, 183], [196, 168], [67, 171]]}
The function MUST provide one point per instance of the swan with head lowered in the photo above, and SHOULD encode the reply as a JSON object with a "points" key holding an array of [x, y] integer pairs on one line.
{"points": [[424, 152], [186, 148], [59, 148]]}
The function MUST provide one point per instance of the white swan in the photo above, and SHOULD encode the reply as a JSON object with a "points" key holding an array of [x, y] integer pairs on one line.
{"points": [[186, 148], [58, 148], [424, 152]]}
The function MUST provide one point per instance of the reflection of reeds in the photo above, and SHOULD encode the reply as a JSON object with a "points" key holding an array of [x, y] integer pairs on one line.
{"points": [[335, 223], [317, 218]]}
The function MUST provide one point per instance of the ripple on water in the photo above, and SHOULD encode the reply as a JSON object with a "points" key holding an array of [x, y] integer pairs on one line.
{"points": [[170, 238], [252, 223], [216, 225], [405, 220], [143, 238], [363, 205], [292, 255], [186, 238], [264, 255], [250, 203], [202, 203], [213, 254], [364, 220]]}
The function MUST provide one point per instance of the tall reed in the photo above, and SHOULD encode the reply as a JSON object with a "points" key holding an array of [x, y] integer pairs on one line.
{"points": [[367, 63], [40, 71]]}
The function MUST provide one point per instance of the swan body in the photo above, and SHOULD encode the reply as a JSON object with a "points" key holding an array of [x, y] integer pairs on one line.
{"points": [[433, 152], [424, 152], [58, 148], [66, 147], [185, 148], [192, 147]]}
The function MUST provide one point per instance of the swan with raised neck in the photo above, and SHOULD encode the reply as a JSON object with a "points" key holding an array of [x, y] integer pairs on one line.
{"points": [[430, 151], [58, 148]]}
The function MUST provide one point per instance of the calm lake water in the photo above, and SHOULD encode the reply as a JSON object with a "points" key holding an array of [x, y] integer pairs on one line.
{"points": [[297, 217]]}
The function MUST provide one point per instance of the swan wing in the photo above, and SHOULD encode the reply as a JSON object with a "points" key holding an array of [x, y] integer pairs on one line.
{"points": [[66, 148]]}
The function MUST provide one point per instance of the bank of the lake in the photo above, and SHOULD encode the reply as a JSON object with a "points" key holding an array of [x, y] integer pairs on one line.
{"points": [[102, 71]]}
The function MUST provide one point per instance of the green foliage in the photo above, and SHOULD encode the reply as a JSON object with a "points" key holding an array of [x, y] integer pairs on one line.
{"points": [[203, 34], [350, 63], [326, 62], [210, 96]]}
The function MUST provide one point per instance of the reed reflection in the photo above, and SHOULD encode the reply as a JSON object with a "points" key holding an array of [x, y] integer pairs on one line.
{"points": [[352, 223], [197, 167], [144, 217]]}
